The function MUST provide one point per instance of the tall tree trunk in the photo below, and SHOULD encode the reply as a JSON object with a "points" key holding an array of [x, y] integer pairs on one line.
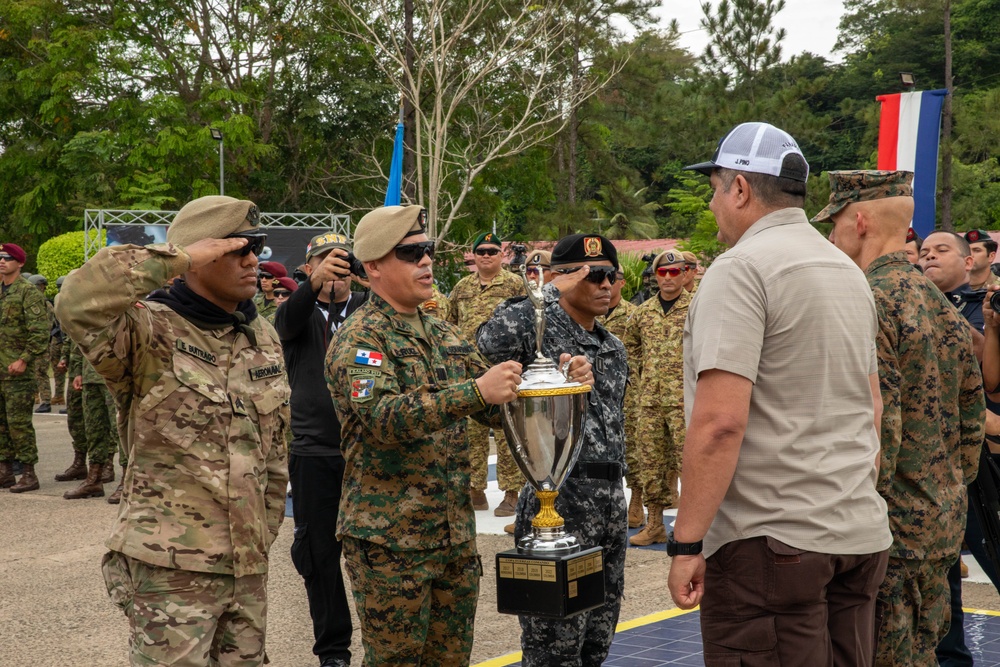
{"points": [[409, 114], [946, 188], [571, 129]]}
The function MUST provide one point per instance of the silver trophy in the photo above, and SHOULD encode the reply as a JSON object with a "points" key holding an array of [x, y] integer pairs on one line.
{"points": [[544, 428]]}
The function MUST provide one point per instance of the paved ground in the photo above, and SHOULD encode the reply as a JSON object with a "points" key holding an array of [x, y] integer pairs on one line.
{"points": [[54, 609]]}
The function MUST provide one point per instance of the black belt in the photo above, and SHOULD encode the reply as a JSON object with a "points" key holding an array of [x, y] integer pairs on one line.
{"points": [[609, 470]]}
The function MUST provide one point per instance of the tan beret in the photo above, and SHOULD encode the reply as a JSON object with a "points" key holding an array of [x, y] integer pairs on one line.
{"points": [[213, 217], [669, 257], [541, 258], [384, 228], [690, 258]]}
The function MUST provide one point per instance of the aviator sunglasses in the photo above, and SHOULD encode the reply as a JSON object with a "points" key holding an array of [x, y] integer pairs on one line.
{"points": [[487, 251], [664, 271], [597, 275], [414, 252]]}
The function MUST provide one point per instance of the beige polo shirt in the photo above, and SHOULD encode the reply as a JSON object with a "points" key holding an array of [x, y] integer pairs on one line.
{"points": [[790, 312]]}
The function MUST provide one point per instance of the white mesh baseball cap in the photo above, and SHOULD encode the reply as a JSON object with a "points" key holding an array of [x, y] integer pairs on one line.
{"points": [[760, 148]]}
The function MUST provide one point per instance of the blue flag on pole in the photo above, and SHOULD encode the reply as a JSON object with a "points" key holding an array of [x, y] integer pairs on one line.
{"points": [[393, 194]]}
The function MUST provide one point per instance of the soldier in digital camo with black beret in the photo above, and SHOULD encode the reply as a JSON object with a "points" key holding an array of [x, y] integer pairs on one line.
{"points": [[934, 412], [200, 383], [592, 499], [403, 383], [24, 336]]}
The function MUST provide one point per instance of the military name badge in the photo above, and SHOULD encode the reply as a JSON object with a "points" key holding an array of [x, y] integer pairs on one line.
{"points": [[197, 352], [368, 358], [362, 389], [264, 372]]}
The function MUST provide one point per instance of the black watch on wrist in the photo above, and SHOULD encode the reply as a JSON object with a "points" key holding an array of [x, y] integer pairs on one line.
{"points": [[675, 548]]}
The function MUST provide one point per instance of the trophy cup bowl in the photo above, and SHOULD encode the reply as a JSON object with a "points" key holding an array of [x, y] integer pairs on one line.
{"points": [[544, 428]]}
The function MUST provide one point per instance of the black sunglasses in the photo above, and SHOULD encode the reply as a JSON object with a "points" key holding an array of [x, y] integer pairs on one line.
{"points": [[6, 257], [266, 276], [487, 251], [597, 275], [255, 244], [280, 293], [414, 252]]}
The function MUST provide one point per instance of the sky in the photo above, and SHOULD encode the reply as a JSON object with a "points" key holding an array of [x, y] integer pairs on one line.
{"points": [[811, 25]]}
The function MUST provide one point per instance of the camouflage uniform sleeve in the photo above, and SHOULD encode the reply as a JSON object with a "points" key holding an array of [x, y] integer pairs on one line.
{"points": [[397, 414], [37, 326], [886, 340], [277, 479], [97, 302], [74, 365], [972, 412], [509, 334], [633, 347]]}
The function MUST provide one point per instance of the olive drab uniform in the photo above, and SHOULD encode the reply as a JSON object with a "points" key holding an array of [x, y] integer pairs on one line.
{"points": [[204, 415], [266, 308], [100, 417], [24, 335], [406, 516], [615, 322], [50, 358], [654, 341], [74, 402], [471, 305], [592, 499], [932, 431]]}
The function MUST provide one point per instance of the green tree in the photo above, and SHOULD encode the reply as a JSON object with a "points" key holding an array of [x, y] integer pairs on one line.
{"points": [[743, 42], [622, 211]]}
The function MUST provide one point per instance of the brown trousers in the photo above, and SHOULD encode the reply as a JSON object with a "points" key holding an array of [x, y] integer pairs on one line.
{"points": [[769, 604]]}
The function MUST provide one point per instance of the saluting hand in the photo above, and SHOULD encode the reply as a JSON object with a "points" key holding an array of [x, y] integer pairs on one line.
{"points": [[499, 384], [565, 282], [206, 251]]}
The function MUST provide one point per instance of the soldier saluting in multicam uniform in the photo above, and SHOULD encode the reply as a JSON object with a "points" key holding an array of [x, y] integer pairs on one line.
{"points": [[200, 382]]}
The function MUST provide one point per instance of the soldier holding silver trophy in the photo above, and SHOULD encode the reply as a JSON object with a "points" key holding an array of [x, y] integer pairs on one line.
{"points": [[588, 477]]}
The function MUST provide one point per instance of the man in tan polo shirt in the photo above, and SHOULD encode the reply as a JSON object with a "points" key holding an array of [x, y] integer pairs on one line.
{"points": [[781, 453]]}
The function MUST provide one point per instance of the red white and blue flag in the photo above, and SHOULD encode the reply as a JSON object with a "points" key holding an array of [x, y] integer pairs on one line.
{"points": [[908, 139], [368, 358]]}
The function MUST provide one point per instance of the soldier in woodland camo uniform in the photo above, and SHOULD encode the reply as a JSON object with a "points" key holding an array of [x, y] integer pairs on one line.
{"points": [[74, 419], [654, 341], [199, 381], [24, 336], [618, 314], [592, 499], [402, 385], [44, 361], [100, 418], [472, 302], [933, 418]]}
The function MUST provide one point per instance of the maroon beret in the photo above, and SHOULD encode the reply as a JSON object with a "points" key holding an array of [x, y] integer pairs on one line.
{"points": [[274, 268], [14, 251]]}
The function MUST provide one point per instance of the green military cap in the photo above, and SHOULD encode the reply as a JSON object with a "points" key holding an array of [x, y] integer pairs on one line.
{"points": [[669, 257], [324, 243], [848, 187], [381, 230], [487, 237], [214, 217], [978, 236]]}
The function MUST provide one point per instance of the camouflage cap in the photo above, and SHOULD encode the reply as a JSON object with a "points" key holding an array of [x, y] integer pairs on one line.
{"points": [[848, 187], [978, 236], [324, 243], [669, 257], [541, 258], [690, 258], [213, 217], [382, 229]]}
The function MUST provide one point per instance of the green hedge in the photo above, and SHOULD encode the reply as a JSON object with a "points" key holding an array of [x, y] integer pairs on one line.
{"points": [[60, 255]]}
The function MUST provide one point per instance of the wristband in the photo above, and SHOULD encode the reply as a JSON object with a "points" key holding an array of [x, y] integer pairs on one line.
{"points": [[479, 394]]}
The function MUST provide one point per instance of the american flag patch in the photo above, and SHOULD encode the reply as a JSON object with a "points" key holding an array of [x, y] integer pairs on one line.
{"points": [[368, 358]]}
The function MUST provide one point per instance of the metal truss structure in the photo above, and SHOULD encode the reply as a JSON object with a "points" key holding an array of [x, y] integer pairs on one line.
{"points": [[94, 221]]}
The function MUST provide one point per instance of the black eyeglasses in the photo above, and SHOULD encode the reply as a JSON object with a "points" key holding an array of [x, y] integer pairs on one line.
{"points": [[487, 251], [255, 244], [597, 275], [414, 252]]}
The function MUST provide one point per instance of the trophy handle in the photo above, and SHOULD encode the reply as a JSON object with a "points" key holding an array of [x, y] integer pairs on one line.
{"points": [[514, 441]]}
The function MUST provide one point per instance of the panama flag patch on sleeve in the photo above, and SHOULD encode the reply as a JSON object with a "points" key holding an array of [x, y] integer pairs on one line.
{"points": [[368, 358]]}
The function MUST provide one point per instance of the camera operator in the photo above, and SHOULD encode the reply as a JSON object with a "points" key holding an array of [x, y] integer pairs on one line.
{"points": [[646, 290], [305, 324]]}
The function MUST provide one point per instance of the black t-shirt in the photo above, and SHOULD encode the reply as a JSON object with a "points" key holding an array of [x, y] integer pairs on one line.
{"points": [[667, 305]]}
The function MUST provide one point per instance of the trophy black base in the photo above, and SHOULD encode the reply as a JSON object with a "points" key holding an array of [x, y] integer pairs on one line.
{"points": [[550, 586]]}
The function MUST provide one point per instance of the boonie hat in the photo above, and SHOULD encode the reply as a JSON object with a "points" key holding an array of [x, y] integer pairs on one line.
{"points": [[760, 148], [324, 243], [214, 217], [382, 229], [858, 185], [583, 248]]}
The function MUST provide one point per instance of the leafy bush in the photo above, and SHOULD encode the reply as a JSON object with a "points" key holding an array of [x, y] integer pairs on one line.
{"points": [[632, 266], [60, 255]]}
